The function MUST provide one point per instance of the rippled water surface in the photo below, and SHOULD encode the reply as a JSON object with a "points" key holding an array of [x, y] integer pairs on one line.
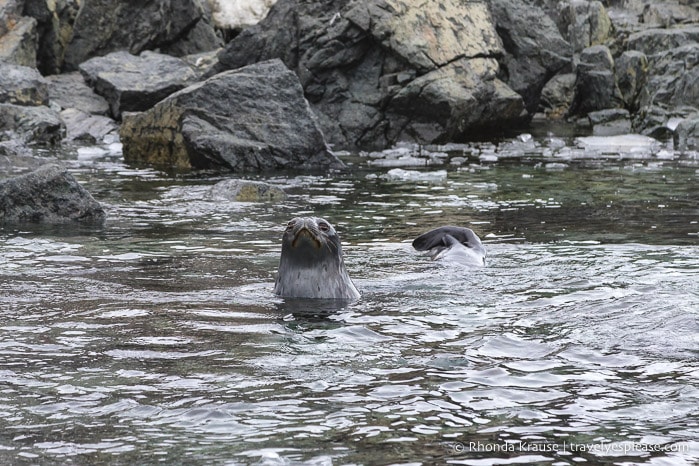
{"points": [[157, 339]]}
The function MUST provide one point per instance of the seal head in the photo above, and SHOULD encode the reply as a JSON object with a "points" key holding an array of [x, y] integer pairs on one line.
{"points": [[452, 243], [311, 263]]}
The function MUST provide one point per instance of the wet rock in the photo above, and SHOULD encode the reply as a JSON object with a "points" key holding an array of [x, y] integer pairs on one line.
{"points": [[86, 127], [69, 90], [37, 124], [133, 83], [104, 26], [535, 50], [557, 95], [610, 122], [22, 85], [687, 134], [595, 84], [18, 43], [49, 195], [246, 191], [55, 21], [358, 63], [631, 70], [17, 157], [586, 23], [253, 118]]}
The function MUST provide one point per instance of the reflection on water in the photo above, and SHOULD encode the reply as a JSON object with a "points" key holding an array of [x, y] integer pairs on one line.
{"points": [[157, 339]]}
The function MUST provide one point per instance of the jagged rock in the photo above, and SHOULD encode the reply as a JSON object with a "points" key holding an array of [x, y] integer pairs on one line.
{"points": [[84, 126], [653, 41], [31, 124], [133, 83], [55, 20], [48, 195], [557, 95], [246, 191], [586, 23], [595, 84], [253, 118], [69, 90], [687, 134], [673, 77], [631, 70], [202, 38], [535, 50], [104, 26], [356, 61], [22, 85], [18, 44], [667, 14]]}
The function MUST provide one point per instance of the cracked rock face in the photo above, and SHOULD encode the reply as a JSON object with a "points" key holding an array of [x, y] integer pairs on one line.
{"points": [[378, 72]]}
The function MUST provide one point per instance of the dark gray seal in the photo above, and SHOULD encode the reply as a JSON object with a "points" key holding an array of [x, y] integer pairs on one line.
{"points": [[311, 264], [452, 243]]}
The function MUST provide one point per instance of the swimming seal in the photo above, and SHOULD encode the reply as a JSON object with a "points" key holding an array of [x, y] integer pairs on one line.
{"points": [[456, 244], [311, 263]]}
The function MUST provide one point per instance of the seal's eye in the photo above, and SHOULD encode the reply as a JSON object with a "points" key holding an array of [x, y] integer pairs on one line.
{"points": [[290, 225], [324, 227]]}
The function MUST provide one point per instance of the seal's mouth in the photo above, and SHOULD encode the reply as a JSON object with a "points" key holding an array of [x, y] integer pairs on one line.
{"points": [[305, 236]]}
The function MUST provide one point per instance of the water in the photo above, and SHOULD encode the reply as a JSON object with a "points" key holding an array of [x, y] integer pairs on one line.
{"points": [[157, 339]]}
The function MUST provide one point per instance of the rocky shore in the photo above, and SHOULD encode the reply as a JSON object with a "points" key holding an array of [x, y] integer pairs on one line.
{"points": [[193, 84]]}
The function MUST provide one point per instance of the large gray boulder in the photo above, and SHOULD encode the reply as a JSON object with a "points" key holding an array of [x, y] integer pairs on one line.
{"points": [[38, 124], [535, 51], [49, 195], [673, 77], [654, 41], [595, 85], [586, 23], [363, 64], [18, 41], [133, 83], [22, 85], [687, 134], [250, 119], [69, 90], [104, 26]]}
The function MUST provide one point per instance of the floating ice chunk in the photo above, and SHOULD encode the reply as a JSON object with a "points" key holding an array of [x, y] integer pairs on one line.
{"points": [[621, 143], [398, 174]]}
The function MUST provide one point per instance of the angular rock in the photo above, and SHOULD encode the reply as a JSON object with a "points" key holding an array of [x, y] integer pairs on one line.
{"points": [[86, 127], [356, 61], [133, 83], [631, 70], [31, 124], [104, 26], [557, 95], [687, 134], [199, 39], [18, 44], [673, 77], [595, 84], [246, 191], [667, 14], [586, 23], [22, 85], [610, 122], [441, 102], [535, 50], [48, 195], [253, 118], [69, 90], [653, 41]]}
